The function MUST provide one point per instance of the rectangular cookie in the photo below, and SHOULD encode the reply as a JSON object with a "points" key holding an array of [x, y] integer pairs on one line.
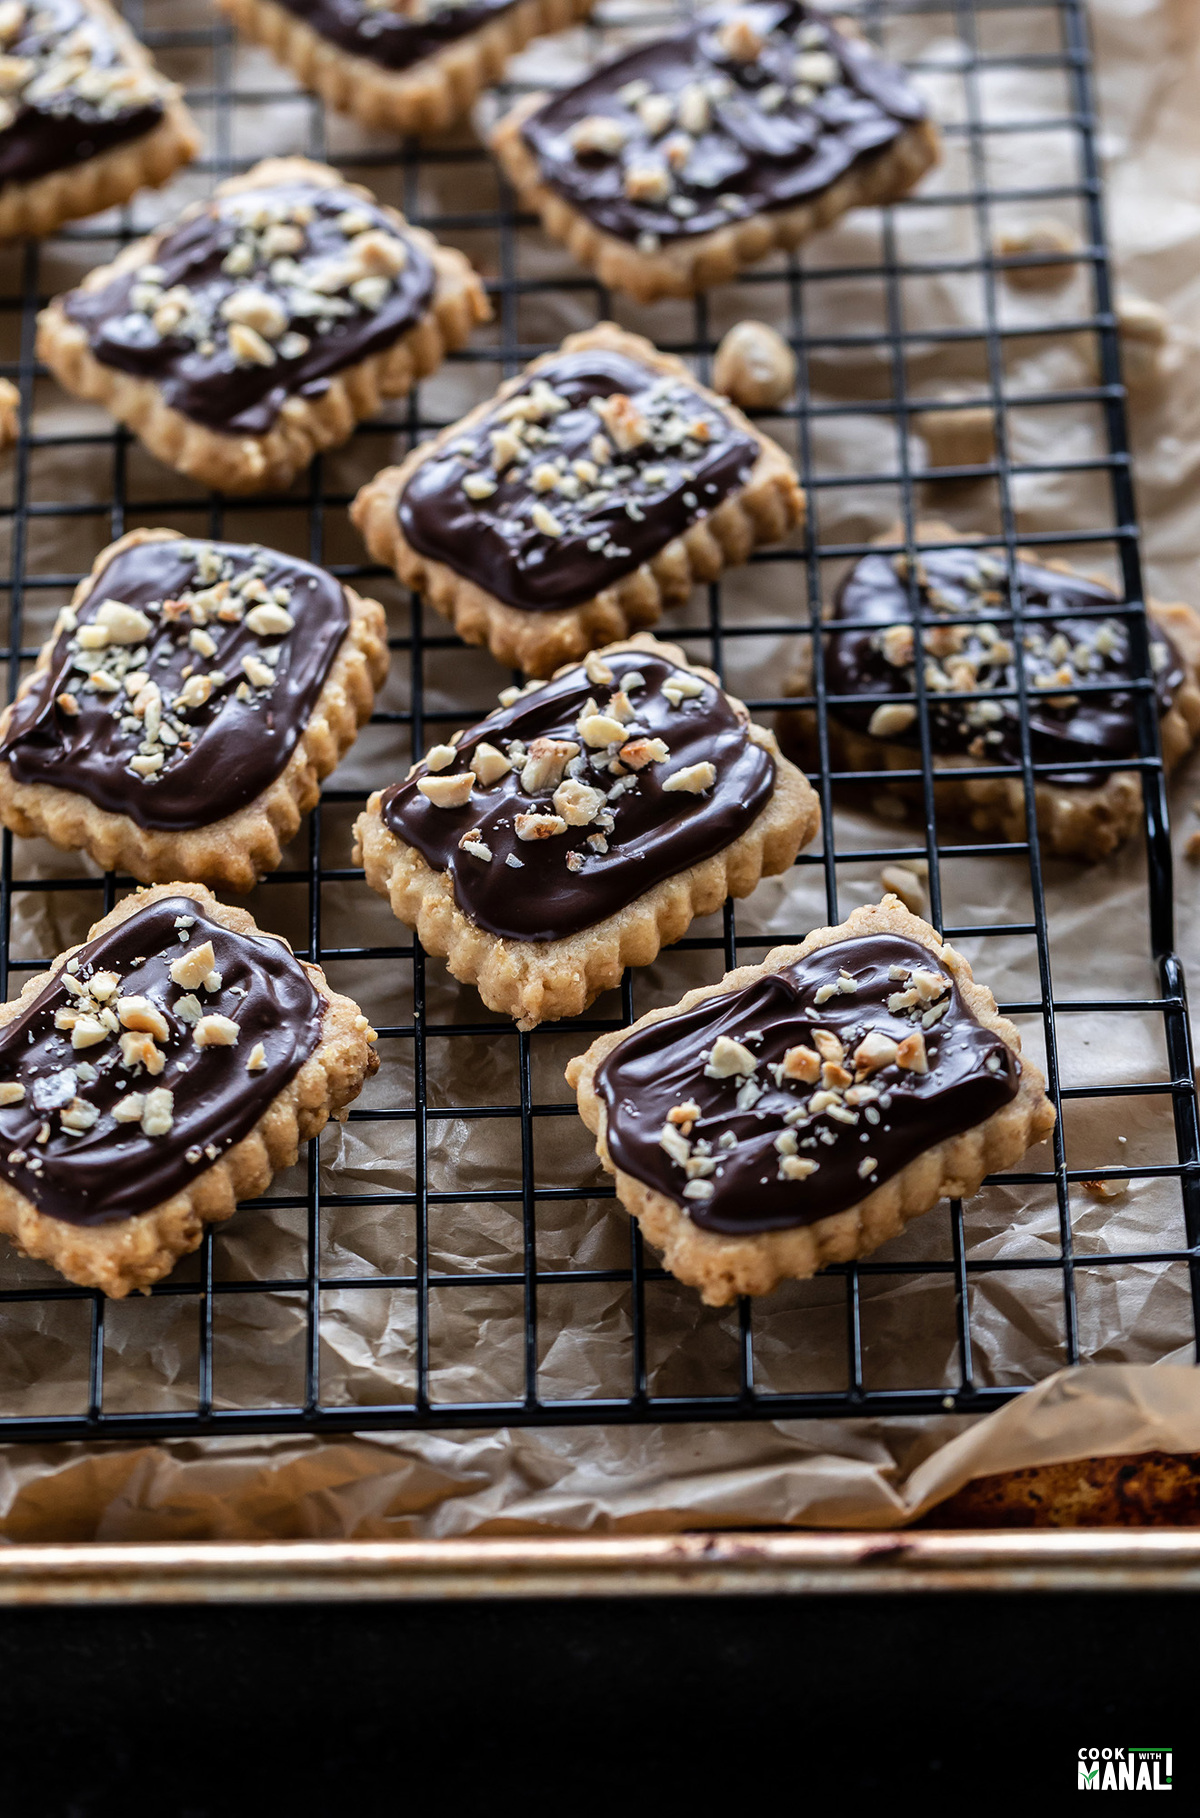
{"points": [[580, 827], [675, 166], [186, 706], [263, 325], [157, 1074], [414, 68], [86, 120], [596, 488], [802, 1111], [1085, 816]]}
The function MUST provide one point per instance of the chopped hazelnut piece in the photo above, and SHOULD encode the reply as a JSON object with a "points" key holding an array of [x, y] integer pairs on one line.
{"points": [[911, 1055], [66, 703], [158, 1112], [801, 1063], [139, 1050], [647, 183], [797, 1167], [929, 984], [693, 780], [257, 1059], [754, 366], [139, 1013], [599, 729], [739, 40], [546, 763], [828, 1045], [270, 620], [191, 968], [874, 1051], [637, 753], [87, 1031], [866, 1166], [128, 1110], [598, 136], [489, 764], [729, 1058], [258, 310], [439, 757], [447, 791], [78, 1116], [539, 826], [123, 624], [891, 719], [680, 687], [1106, 1189], [597, 671], [215, 1032], [577, 803], [258, 673], [249, 348], [621, 418], [11, 1092], [544, 520]]}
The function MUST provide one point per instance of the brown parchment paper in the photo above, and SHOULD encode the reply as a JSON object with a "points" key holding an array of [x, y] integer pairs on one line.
{"points": [[1133, 1393]]}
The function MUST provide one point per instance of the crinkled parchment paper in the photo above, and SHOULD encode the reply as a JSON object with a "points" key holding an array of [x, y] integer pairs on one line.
{"points": [[1130, 1394]]}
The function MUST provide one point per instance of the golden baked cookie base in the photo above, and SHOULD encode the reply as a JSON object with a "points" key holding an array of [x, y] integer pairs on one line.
{"points": [[134, 1252], [723, 1267], [305, 426], [684, 266], [1086, 823], [425, 98], [764, 510], [238, 849], [540, 981], [40, 206]]}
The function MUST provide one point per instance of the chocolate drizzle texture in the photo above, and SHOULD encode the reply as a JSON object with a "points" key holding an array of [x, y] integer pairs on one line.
{"points": [[90, 1166], [479, 503], [980, 656], [71, 94], [392, 37], [769, 1143], [305, 268], [630, 830], [750, 109], [93, 713]]}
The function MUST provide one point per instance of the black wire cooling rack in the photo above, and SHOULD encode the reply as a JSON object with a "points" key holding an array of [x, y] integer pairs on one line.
{"points": [[82, 1348]]}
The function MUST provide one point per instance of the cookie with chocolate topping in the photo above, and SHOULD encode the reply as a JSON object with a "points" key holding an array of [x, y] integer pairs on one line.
{"points": [[1078, 664], [580, 827], [263, 325], [186, 706], [594, 489], [408, 66], [801, 1112], [673, 167], [86, 120], [157, 1074]]}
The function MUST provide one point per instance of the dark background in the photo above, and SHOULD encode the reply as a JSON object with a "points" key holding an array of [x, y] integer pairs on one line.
{"points": [[705, 1705]]}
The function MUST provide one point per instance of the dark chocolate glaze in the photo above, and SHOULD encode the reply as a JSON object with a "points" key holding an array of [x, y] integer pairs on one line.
{"points": [[971, 1074], [113, 1170], [392, 38], [657, 833], [211, 387], [65, 128], [966, 583], [239, 746], [494, 542], [760, 159]]}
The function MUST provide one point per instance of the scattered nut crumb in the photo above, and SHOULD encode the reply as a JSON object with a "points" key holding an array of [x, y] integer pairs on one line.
{"points": [[905, 884], [754, 366]]}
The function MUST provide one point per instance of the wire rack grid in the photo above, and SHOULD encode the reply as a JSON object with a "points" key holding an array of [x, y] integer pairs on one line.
{"points": [[986, 36]]}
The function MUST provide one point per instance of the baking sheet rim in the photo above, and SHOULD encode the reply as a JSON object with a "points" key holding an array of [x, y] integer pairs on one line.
{"points": [[699, 1564]]}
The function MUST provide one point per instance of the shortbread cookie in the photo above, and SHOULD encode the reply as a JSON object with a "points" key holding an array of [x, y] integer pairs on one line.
{"points": [[676, 165], [1080, 814], [186, 706], [85, 118], [156, 1075], [409, 66], [593, 490], [582, 826], [802, 1111], [262, 325]]}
